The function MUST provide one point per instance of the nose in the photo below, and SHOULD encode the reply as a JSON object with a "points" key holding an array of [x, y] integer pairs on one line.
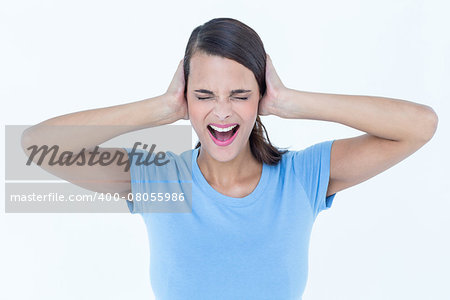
{"points": [[222, 109]]}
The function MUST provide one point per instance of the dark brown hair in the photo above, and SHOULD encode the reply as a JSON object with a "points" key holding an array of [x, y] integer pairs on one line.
{"points": [[232, 39]]}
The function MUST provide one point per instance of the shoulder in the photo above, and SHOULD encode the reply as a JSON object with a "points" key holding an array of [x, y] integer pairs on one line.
{"points": [[160, 161], [313, 152], [180, 162], [308, 158]]}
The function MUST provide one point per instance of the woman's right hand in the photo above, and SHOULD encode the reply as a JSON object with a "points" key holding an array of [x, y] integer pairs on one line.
{"points": [[175, 94]]}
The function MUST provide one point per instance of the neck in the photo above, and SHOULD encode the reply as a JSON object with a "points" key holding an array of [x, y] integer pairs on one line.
{"points": [[229, 172]]}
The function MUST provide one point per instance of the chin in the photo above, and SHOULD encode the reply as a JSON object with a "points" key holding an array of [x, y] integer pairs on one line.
{"points": [[222, 154]]}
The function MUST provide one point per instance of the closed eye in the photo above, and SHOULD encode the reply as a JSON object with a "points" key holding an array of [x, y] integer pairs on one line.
{"points": [[204, 98]]}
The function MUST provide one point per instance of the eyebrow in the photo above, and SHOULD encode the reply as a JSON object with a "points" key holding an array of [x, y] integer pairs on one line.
{"points": [[238, 91]]}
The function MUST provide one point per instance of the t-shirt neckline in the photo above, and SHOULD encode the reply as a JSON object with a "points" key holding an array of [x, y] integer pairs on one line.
{"points": [[227, 200]]}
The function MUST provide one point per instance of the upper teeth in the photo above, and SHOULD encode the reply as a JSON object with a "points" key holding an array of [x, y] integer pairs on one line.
{"points": [[223, 129]]}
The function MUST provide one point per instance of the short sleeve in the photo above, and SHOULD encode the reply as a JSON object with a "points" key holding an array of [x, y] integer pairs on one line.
{"points": [[312, 168], [139, 176], [165, 186]]}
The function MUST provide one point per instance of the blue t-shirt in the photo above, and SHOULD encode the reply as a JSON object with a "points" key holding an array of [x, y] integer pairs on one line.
{"points": [[255, 247]]}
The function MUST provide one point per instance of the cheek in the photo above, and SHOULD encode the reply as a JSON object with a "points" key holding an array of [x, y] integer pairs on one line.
{"points": [[197, 115], [194, 109], [249, 110]]}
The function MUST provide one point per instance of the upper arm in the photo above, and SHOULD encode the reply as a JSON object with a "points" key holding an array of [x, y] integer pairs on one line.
{"points": [[354, 160]]}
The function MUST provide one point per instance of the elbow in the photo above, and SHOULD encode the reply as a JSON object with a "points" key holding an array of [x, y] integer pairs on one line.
{"points": [[25, 140], [429, 122]]}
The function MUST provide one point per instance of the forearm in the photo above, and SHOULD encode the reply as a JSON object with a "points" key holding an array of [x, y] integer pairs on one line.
{"points": [[87, 129], [387, 118]]}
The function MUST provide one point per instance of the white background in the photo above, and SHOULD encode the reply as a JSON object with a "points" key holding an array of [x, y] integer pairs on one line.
{"points": [[386, 238]]}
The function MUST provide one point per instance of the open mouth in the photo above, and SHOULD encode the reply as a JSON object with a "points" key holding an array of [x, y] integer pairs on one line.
{"points": [[223, 134]]}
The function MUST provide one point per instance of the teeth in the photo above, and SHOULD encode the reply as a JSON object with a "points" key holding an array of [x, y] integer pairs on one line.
{"points": [[222, 129]]}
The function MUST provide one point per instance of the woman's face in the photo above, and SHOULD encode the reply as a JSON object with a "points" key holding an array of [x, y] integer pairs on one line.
{"points": [[221, 92]]}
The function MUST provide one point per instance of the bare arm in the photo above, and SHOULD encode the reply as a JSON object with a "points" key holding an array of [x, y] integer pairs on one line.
{"points": [[87, 129], [394, 128]]}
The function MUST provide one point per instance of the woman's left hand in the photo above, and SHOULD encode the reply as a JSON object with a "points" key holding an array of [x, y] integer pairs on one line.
{"points": [[275, 88]]}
